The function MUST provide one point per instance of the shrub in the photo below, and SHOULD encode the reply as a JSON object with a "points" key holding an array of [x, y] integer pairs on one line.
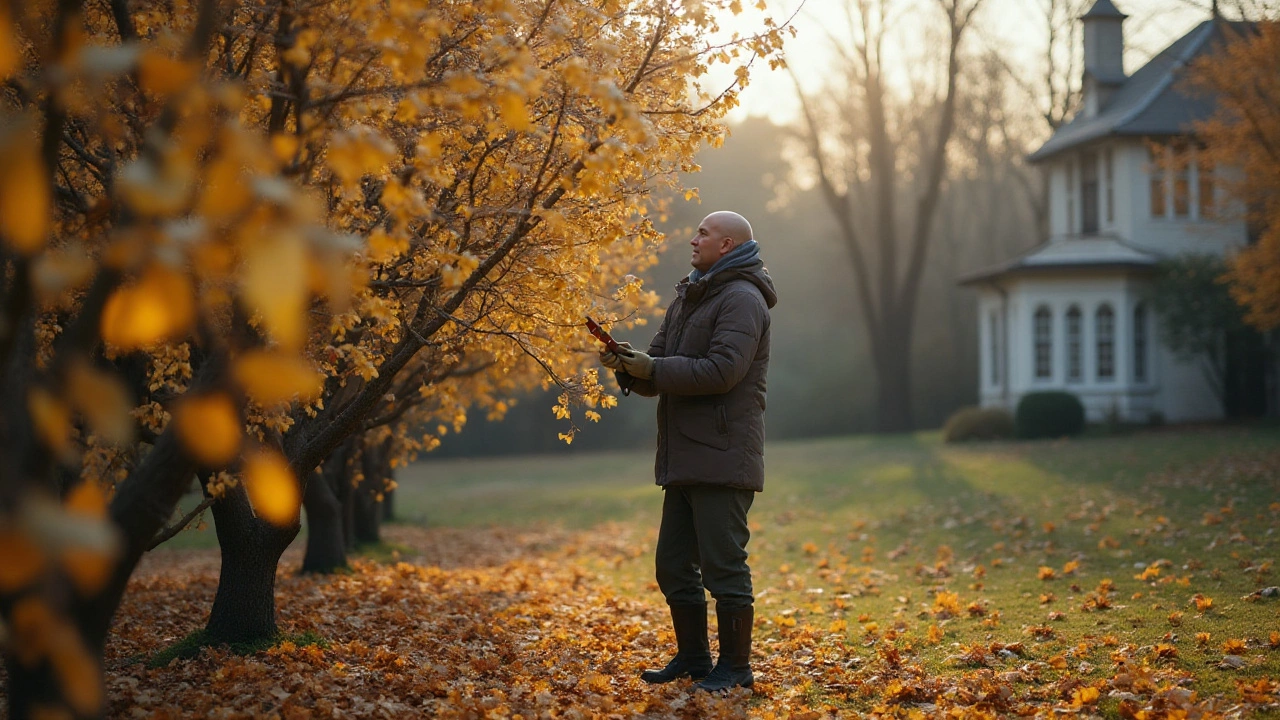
{"points": [[1049, 414], [974, 423]]}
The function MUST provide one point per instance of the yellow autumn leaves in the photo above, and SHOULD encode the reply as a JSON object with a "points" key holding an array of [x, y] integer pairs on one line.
{"points": [[76, 539], [73, 536], [159, 306], [210, 428], [273, 490], [357, 152]]}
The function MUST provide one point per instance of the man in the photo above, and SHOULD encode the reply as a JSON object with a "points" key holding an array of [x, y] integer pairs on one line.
{"points": [[707, 365]]}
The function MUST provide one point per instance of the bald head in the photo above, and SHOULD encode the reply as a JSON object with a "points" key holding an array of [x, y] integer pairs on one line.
{"points": [[731, 225], [717, 236]]}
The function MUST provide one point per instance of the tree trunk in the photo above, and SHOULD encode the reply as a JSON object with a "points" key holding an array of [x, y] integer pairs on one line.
{"points": [[142, 504], [367, 516], [244, 609], [326, 541], [34, 690], [367, 513], [893, 381], [389, 506], [326, 531]]}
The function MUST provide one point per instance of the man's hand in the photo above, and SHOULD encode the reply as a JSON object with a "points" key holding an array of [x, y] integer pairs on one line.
{"points": [[610, 359], [637, 364]]}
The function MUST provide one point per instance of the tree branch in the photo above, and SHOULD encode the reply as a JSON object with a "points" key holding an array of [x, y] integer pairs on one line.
{"points": [[168, 533]]}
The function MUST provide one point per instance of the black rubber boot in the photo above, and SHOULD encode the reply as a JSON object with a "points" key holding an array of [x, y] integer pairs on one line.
{"points": [[693, 652], [733, 669]]}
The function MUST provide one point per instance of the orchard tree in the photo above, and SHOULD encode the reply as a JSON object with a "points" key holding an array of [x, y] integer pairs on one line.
{"points": [[1244, 135], [237, 235], [1199, 321]]}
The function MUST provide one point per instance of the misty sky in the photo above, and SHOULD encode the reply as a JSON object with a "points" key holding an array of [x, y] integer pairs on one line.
{"points": [[1017, 26]]}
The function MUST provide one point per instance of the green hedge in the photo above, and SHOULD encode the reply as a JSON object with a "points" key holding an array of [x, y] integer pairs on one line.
{"points": [[975, 423], [1049, 414]]}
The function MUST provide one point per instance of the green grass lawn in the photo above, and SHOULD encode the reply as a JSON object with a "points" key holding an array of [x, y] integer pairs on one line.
{"points": [[1076, 552], [1078, 549]]}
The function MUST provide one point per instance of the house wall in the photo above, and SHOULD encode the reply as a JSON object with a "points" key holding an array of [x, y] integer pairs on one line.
{"points": [[1057, 170], [1186, 395], [1131, 214], [1165, 235], [992, 340], [1173, 391]]}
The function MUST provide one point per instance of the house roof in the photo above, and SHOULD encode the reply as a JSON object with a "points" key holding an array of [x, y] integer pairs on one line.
{"points": [[1095, 252], [1151, 101]]}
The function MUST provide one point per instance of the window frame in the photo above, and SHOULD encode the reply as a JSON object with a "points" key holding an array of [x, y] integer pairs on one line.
{"points": [[1141, 344], [1104, 343], [1109, 177], [1071, 195], [1206, 180], [1090, 218], [994, 346], [1180, 157], [1074, 344], [1157, 158], [1042, 343]]}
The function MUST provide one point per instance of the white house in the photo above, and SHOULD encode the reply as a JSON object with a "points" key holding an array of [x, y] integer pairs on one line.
{"points": [[1071, 314]]}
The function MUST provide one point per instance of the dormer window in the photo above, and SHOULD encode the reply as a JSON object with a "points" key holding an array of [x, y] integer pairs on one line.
{"points": [[1156, 166], [1071, 196], [1089, 193], [1205, 183], [1182, 182], [1110, 179]]}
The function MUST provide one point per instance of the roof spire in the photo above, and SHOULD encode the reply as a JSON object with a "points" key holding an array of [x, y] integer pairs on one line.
{"points": [[1215, 10], [1103, 54]]}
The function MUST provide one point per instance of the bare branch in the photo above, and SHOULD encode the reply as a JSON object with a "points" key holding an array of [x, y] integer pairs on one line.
{"points": [[171, 531]]}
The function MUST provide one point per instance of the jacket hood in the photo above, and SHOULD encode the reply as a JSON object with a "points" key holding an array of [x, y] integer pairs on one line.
{"points": [[755, 273]]}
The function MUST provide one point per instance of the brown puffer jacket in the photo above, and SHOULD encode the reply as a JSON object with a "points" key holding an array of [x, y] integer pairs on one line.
{"points": [[711, 357]]}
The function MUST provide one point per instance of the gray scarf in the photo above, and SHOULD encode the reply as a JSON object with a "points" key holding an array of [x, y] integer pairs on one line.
{"points": [[741, 256]]}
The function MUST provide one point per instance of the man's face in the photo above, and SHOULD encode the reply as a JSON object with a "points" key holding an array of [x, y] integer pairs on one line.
{"points": [[709, 245]]}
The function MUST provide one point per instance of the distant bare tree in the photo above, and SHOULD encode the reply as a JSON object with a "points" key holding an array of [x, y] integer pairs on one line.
{"points": [[1055, 92], [1237, 9], [1062, 78], [863, 157]]}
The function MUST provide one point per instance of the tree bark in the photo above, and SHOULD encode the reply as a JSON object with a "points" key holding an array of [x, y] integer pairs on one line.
{"points": [[389, 505], [326, 544], [244, 609], [326, 531], [367, 511], [367, 514], [893, 389]]}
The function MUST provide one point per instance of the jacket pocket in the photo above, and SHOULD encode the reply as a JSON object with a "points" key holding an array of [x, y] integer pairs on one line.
{"points": [[704, 424]]}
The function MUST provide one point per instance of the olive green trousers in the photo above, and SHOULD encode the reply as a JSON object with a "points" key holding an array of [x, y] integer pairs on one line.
{"points": [[702, 546]]}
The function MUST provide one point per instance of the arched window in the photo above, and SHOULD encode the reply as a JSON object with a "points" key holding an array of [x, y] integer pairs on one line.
{"points": [[1104, 326], [1075, 345], [1042, 337], [1140, 342]]}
